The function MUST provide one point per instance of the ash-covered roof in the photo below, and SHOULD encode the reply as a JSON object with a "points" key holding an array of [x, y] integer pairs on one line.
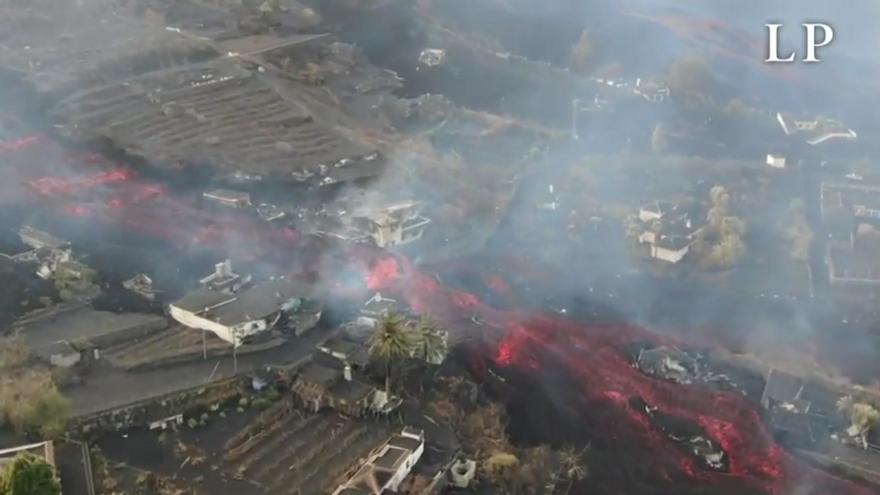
{"points": [[314, 372], [257, 302], [782, 387], [391, 458], [403, 442], [674, 242], [201, 300], [859, 264]]}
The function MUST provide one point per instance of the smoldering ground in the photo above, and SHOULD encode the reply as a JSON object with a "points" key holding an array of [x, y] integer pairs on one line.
{"points": [[603, 283]]}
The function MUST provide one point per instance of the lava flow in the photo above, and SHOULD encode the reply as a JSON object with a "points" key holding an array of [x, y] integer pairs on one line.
{"points": [[593, 356]]}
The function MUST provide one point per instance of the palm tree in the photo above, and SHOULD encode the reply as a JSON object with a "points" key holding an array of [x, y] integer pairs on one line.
{"points": [[390, 343], [430, 342], [571, 466]]}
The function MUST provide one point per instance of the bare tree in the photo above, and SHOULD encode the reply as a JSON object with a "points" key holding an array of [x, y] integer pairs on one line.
{"points": [[581, 58]]}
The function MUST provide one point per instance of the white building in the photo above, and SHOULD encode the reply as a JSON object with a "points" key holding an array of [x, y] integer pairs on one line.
{"points": [[394, 225], [231, 199], [432, 57], [658, 210], [669, 237], [224, 279], [775, 161], [38, 239], [234, 317], [378, 307], [388, 466], [671, 249], [652, 91], [815, 131]]}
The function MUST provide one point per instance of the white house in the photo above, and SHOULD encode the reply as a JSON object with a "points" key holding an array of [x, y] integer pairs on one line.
{"points": [[815, 131], [38, 239], [393, 225], [223, 278], [378, 307], [651, 90], [775, 161], [657, 210], [671, 249], [669, 239], [234, 317], [388, 466]]}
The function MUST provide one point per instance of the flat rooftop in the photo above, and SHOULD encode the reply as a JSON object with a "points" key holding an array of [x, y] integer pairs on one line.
{"points": [[854, 265], [850, 196], [391, 458], [253, 303], [403, 442]]}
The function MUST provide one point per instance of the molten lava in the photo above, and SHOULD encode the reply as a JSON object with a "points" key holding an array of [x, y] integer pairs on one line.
{"points": [[383, 274], [53, 186], [22, 143], [594, 356]]}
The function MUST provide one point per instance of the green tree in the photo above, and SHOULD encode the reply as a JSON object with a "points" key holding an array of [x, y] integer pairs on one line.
{"points": [[29, 475], [390, 343], [720, 209], [430, 341], [731, 227]]}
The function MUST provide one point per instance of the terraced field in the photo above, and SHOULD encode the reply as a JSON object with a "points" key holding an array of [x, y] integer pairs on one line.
{"points": [[307, 454], [174, 345]]}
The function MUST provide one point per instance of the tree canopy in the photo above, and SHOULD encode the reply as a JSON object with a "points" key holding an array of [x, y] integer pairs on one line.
{"points": [[29, 475], [690, 75], [391, 342], [722, 240], [430, 344], [31, 403]]}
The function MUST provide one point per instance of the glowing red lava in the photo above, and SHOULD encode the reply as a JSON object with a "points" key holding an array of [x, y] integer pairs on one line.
{"points": [[52, 186], [594, 356], [22, 143], [383, 274]]}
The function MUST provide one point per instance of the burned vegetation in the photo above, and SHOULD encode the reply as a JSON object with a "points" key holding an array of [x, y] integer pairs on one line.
{"points": [[361, 247]]}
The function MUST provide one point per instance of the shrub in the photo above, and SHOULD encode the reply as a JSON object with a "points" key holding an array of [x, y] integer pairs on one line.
{"points": [[31, 403], [29, 475]]}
